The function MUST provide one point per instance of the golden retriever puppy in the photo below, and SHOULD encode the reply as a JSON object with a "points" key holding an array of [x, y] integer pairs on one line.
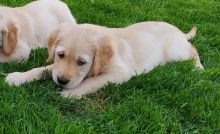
{"points": [[86, 57], [28, 27]]}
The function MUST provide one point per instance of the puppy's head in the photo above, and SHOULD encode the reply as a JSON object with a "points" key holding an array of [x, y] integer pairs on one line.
{"points": [[8, 36], [78, 53]]}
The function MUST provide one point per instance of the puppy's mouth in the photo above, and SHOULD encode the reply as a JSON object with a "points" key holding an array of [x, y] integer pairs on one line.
{"points": [[70, 85], [73, 84], [67, 84]]}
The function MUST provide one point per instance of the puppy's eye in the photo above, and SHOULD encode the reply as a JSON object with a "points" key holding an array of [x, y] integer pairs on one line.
{"points": [[61, 55], [81, 62]]}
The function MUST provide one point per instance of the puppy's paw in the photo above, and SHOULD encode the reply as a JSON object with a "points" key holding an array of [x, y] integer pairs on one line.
{"points": [[71, 94], [16, 78]]}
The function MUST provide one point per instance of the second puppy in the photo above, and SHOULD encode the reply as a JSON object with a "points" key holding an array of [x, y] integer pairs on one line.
{"points": [[28, 27]]}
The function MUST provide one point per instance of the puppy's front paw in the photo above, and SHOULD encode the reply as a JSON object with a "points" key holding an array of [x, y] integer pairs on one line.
{"points": [[71, 94], [16, 79]]}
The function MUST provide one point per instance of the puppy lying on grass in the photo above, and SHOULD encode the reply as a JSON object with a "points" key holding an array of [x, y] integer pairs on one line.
{"points": [[86, 57]]}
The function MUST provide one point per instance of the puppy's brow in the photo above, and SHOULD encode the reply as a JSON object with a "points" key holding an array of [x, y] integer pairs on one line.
{"points": [[59, 49], [85, 57]]}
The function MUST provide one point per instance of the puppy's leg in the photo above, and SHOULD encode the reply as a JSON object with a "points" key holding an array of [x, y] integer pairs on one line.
{"points": [[94, 83], [19, 78], [195, 56]]}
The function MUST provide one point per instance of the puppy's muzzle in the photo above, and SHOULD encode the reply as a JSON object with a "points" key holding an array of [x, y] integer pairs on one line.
{"points": [[62, 81]]}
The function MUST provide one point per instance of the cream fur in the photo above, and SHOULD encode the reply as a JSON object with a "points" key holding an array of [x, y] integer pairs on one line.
{"points": [[115, 55], [34, 23]]}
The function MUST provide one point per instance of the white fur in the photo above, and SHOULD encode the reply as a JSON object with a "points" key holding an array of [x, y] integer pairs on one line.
{"points": [[34, 22], [18, 78], [20, 54], [59, 49]]}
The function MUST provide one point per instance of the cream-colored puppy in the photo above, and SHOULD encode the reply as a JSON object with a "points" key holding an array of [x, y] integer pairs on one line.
{"points": [[86, 57], [28, 27]]}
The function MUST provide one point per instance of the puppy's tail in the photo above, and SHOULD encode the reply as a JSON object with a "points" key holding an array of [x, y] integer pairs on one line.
{"points": [[192, 33]]}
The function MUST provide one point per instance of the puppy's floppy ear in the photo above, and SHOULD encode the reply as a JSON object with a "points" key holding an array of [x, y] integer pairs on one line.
{"points": [[9, 39], [103, 53], [52, 43]]}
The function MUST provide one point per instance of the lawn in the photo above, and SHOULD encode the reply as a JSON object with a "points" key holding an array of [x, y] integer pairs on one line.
{"points": [[170, 99]]}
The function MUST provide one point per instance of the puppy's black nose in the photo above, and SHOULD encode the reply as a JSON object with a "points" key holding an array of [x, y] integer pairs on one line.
{"points": [[62, 81]]}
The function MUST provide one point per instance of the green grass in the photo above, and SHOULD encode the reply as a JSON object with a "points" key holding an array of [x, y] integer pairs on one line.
{"points": [[170, 99]]}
